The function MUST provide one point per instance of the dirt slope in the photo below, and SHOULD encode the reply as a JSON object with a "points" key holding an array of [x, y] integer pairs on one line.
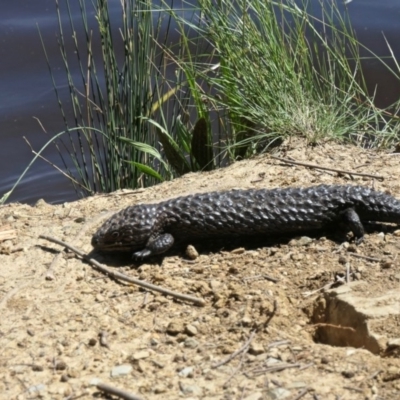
{"points": [[54, 307]]}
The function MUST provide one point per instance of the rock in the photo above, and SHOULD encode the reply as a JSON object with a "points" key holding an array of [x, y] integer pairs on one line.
{"points": [[348, 374], [73, 373], [140, 355], [271, 361], [246, 321], [191, 330], [191, 343], [215, 285], [60, 365], [37, 388], [191, 389], [297, 256], [174, 328], [348, 318], [191, 252], [386, 263], [140, 365], [302, 241], [121, 370], [256, 348], [158, 389], [94, 382], [100, 298], [277, 394], [186, 372], [255, 396], [381, 236], [297, 385]]}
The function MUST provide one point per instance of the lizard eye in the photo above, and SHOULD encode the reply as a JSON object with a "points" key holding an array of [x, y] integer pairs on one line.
{"points": [[115, 234]]}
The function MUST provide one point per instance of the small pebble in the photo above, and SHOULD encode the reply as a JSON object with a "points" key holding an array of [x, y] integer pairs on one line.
{"points": [[92, 342], [255, 396], [37, 388], [239, 250], [73, 373], [191, 389], [60, 366], [348, 374], [94, 382], [186, 372], [100, 298], [342, 260], [154, 342], [233, 270], [191, 330], [174, 328], [381, 235], [277, 394], [386, 263], [160, 389], [302, 241], [297, 257], [191, 252], [256, 348], [191, 343], [121, 370], [140, 355]]}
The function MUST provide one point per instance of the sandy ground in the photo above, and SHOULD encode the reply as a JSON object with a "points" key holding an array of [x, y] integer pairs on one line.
{"points": [[66, 327]]}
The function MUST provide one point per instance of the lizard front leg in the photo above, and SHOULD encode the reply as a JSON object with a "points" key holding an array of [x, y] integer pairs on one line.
{"points": [[154, 246]]}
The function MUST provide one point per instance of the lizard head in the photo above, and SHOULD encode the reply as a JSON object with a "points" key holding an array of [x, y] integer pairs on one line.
{"points": [[127, 230]]}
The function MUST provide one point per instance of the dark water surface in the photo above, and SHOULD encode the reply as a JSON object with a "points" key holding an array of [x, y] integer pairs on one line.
{"points": [[26, 90]]}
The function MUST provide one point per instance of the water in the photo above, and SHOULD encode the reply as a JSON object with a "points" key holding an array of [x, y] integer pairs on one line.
{"points": [[26, 90]]}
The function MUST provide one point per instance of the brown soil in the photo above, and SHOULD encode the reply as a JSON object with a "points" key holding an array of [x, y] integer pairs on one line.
{"points": [[54, 306]]}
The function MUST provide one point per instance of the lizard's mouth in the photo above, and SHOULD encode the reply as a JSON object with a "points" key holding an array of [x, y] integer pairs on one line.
{"points": [[114, 247], [103, 246]]}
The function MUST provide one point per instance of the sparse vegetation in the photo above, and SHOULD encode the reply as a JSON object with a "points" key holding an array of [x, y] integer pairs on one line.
{"points": [[247, 75]]}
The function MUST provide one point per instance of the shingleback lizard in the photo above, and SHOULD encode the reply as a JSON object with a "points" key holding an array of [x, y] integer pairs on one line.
{"points": [[150, 229]]}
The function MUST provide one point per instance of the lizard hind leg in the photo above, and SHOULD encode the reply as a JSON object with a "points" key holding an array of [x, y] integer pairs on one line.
{"points": [[155, 246], [352, 220]]}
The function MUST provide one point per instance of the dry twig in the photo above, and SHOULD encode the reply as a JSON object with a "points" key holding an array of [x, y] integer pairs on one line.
{"points": [[123, 394], [274, 311], [373, 259], [306, 366], [301, 394], [263, 276], [355, 389], [50, 271], [347, 272], [346, 328], [236, 370], [341, 171], [326, 287], [117, 275], [274, 368], [278, 343], [244, 348]]}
